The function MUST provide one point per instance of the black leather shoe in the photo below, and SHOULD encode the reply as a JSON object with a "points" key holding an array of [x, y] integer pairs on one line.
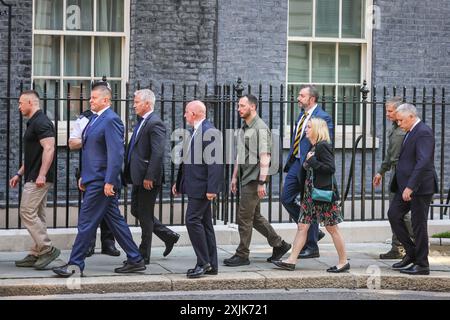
{"points": [[198, 271], [236, 261], [129, 267], [212, 271], [415, 269], [307, 254], [279, 252], [321, 235], [110, 250], [335, 269], [406, 261], [284, 265], [67, 270], [170, 244]]}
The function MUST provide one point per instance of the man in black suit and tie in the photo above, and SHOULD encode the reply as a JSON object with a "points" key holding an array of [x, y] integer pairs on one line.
{"points": [[414, 184], [144, 161], [200, 176]]}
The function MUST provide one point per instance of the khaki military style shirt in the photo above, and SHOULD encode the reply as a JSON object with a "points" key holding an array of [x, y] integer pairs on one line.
{"points": [[395, 136], [253, 140]]}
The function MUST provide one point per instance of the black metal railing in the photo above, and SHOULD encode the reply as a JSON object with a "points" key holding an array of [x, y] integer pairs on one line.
{"points": [[359, 144]]}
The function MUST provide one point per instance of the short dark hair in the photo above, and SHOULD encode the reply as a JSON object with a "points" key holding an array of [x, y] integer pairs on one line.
{"points": [[103, 87], [251, 99], [313, 92], [30, 93]]}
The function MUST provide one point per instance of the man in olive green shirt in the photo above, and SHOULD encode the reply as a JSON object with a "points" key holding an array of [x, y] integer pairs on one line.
{"points": [[252, 170], [395, 136]]}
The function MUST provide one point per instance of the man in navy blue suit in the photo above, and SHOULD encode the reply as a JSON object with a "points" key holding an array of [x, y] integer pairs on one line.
{"points": [[294, 182], [414, 184], [200, 176], [103, 153]]}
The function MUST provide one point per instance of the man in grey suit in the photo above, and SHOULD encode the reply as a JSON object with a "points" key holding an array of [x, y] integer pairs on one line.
{"points": [[144, 160]]}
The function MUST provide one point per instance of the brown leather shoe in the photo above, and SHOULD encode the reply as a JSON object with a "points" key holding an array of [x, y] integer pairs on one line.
{"points": [[394, 253]]}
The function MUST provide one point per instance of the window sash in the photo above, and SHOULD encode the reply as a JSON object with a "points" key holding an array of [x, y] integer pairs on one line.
{"points": [[344, 39], [120, 73]]}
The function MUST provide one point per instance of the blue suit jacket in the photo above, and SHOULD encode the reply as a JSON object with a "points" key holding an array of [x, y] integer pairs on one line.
{"points": [[197, 179], [103, 150], [415, 167], [305, 145]]}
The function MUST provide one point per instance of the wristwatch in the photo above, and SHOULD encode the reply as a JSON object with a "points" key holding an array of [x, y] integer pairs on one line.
{"points": [[261, 182]]}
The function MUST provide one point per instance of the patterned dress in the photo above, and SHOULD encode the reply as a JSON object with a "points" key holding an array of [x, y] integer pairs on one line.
{"points": [[325, 213]]}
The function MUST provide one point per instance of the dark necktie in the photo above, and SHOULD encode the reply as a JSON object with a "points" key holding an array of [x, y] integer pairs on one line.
{"points": [[299, 133], [406, 137], [90, 123], [133, 137]]}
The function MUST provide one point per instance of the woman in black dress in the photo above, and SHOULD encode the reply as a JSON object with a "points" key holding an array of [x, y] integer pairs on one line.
{"points": [[320, 166]]}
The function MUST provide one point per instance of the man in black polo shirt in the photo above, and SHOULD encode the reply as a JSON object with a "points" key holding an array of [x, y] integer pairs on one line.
{"points": [[39, 146]]}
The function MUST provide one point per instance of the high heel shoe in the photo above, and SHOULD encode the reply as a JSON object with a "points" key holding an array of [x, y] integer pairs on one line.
{"points": [[335, 269]]}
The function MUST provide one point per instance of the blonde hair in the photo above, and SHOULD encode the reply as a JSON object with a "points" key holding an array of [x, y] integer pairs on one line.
{"points": [[320, 130]]}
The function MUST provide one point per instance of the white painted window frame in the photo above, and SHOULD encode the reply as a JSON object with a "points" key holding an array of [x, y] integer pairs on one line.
{"points": [[366, 71], [125, 58]]}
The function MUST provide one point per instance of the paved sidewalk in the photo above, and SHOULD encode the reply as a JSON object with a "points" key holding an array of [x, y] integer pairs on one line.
{"points": [[168, 274]]}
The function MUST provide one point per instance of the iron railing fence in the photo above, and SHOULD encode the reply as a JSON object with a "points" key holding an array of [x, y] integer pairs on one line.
{"points": [[359, 144]]}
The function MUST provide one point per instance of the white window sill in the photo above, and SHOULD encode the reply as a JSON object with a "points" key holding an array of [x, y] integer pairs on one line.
{"points": [[339, 143]]}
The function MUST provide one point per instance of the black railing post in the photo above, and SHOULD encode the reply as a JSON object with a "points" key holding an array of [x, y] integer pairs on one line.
{"points": [[383, 152], [162, 184], [55, 183], [270, 197], [280, 156], [374, 134], [8, 107], [364, 90], [69, 97], [239, 88], [441, 193]]}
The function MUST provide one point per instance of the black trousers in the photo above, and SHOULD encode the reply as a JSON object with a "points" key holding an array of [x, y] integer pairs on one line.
{"points": [[143, 208], [419, 206], [201, 231]]}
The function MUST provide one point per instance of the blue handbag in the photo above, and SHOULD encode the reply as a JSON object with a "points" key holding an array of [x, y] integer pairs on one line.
{"points": [[321, 194]]}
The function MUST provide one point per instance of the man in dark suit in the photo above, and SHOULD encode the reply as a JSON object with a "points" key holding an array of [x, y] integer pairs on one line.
{"points": [[414, 184], [100, 180], [294, 182], [200, 176], [144, 160]]}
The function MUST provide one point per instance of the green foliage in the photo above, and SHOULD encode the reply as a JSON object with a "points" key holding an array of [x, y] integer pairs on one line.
{"points": [[442, 235]]}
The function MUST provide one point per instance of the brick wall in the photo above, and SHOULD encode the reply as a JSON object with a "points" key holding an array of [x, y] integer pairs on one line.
{"points": [[412, 46], [252, 41], [20, 71], [172, 41]]}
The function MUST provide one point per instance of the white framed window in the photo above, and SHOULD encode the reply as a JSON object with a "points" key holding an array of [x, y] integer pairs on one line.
{"points": [[329, 46], [76, 42]]}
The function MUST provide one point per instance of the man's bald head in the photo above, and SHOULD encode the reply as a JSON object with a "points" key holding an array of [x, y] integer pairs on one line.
{"points": [[195, 111], [198, 107]]}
